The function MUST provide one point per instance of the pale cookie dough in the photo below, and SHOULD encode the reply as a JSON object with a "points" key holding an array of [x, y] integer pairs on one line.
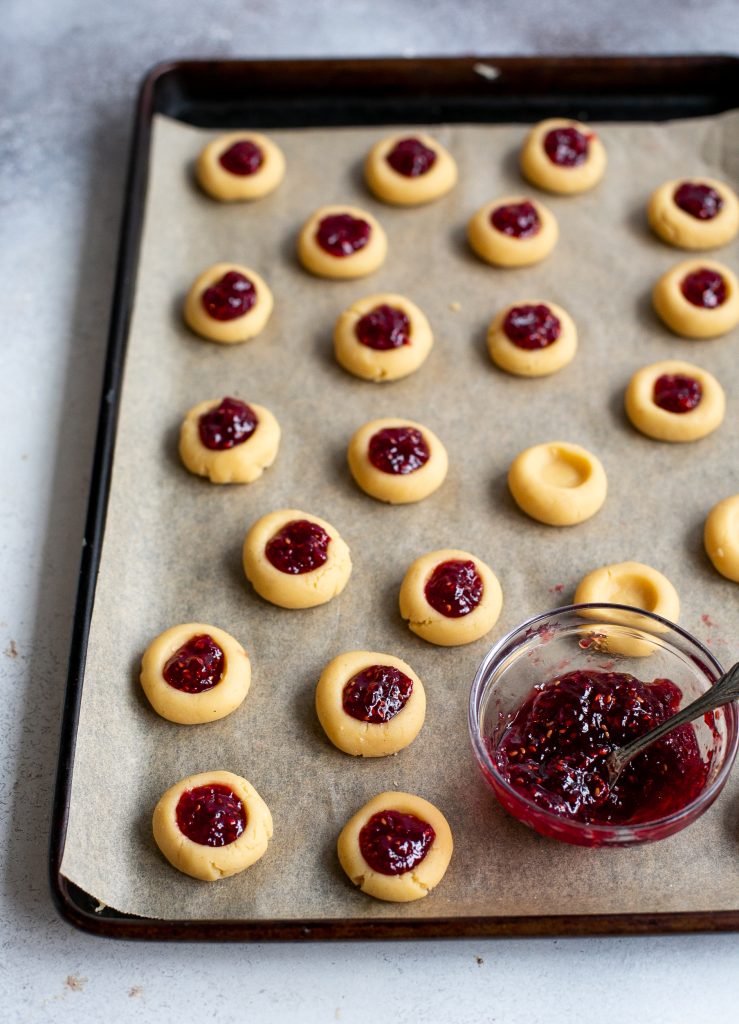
{"points": [[363, 261], [195, 708], [368, 738], [676, 226], [398, 189], [664, 425], [220, 183], [301, 590], [558, 483], [378, 364], [567, 180], [721, 537], [202, 861], [240, 328], [534, 362], [396, 488], [243, 463], [687, 319], [414, 883], [432, 625], [503, 250]]}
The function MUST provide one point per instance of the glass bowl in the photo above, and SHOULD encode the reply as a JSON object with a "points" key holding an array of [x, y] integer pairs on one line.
{"points": [[611, 638]]}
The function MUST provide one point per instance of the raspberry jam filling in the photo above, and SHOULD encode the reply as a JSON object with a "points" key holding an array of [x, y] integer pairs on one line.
{"points": [[454, 589], [300, 546], [676, 392], [376, 694], [383, 328], [392, 842], [532, 327], [700, 201], [197, 666], [232, 296], [242, 158], [211, 815], [518, 220], [398, 450], [411, 158], [554, 749], [342, 235], [229, 424], [704, 287], [567, 147]]}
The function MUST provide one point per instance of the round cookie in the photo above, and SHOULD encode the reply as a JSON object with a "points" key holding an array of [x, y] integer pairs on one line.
{"points": [[532, 338], [407, 170], [195, 673], [674, 401], [382, 337], [240, 165], [721, 537], [228, 441], [370, 704], [558, 483], [228, 303], [228, 819], [714, 290], [295, 560], [694, 213], [397, 847], [397, 460], [563, 156], [342, 242], [513, 231], [450, 597]]}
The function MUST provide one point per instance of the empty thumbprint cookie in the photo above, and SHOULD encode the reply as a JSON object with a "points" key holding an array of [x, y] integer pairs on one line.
{"points": [[558, 483]]}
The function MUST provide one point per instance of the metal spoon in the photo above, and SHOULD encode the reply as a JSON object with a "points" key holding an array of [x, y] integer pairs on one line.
{"points": [[722, 692]]}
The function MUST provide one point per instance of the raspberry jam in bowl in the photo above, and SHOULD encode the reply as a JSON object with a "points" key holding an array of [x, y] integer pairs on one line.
{"points": [[553, 698]]}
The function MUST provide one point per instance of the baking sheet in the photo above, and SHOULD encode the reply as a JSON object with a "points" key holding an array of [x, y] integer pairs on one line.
{"points": [[172, 545]]}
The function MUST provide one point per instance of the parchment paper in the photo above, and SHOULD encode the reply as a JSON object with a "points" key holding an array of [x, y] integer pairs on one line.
{"points": [[173, 541]]}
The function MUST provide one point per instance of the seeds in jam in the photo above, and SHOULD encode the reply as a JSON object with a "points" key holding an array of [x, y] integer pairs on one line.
{"points": [[197, 666], [232, 296], [454, 588], [567, 147], [392, 842], [376, 694], [532, 327], [341, 234], [300, 546], [398, 450], [518, 220], [229, 424], [701, 201], [242, 158], [383, 328], [411, 158], [677, 393], [704, 287], [211, 815]]}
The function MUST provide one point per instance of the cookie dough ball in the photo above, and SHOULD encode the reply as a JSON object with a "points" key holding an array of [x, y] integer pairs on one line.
{"points": [[563, 156], [212, 825], [229, 441], [450, 597], [342, 242], [675, 401], [407, 170], [383, 337], [513, 232], [396, 848], [296, 560], [532, 338], [558, 483], [692, 213], [397, 460], [698, 299], [370, 704], [228, 303], [195, 673], [721, 537], [240, 165]]}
